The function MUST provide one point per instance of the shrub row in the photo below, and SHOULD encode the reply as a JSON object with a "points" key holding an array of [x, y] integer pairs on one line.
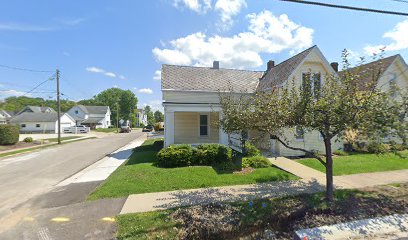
{"points": [[9, 134], [207, 155], [186, 155]]}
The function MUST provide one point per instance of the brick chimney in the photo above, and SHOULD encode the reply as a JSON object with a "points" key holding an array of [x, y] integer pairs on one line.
{"points": [[270, 65], [216, 65], [335, 66]]}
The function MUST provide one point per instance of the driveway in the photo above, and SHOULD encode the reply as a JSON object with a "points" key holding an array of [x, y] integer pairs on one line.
{"points": [[28, 181]]}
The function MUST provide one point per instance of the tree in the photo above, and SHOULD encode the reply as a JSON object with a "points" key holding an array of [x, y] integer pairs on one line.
{"points": [[158, 116], [149, 114], [116, 98], [341, 104]]}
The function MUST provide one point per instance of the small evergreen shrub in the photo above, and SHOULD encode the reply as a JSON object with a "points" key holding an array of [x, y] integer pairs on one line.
{"points": [[28, 140], [251, 150], [340, 153], [256, 162], [177, 156], [9, 134], [209, 154]]}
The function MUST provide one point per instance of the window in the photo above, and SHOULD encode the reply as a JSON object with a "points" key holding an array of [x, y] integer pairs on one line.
{"points": [[299, 134], [203, 125], [76, 112], [23, 125], [37, 125], [311, 84]]}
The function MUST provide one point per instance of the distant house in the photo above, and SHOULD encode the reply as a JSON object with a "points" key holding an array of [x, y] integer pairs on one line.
{"points": [[91, 116], [5, 116], [35, 109], [47, 122], [141, 117]]}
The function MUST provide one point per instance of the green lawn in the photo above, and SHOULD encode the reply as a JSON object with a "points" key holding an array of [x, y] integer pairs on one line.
{"points": [[62, 139], [106, 130], [139, 175], [362, 163]]}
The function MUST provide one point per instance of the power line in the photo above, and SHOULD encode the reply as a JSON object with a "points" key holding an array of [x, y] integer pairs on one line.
{"points": [[37, 86], [403, 1], [347, 7], [25, 69]]}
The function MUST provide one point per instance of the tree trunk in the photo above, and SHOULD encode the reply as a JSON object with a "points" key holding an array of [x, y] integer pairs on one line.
{"points": [[329, 171]]}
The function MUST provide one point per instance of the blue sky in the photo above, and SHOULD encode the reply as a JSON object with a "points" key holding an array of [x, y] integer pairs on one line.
{"points": [[102, 44]]}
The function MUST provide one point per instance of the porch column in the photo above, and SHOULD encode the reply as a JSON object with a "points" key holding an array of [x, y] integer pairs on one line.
{"points": [[168, 128], [223, 136]]}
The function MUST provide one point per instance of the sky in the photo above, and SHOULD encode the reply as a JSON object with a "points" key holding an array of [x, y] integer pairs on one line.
{"points": [[99, 44]]}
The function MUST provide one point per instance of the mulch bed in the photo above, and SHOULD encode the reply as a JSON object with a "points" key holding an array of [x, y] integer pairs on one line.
{"points": [[279, 218], [19, 145]]}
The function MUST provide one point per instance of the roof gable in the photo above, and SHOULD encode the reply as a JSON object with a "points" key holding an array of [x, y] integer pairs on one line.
{"points": [[94, 109], [281, 72], [35, 117]]}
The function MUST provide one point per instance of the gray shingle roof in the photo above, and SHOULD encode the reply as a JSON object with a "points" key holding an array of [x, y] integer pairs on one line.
{"points": [[368, 71], [281, 72], [94, 109], [35, 117], [187, 78], [92, 120]]}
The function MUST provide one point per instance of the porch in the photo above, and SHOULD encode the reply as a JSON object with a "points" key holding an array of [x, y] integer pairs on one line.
{"points": [[192, 124]]}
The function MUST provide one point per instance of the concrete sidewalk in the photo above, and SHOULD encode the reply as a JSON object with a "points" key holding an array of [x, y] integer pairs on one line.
{"points": [[101, 170], [312, 181]]}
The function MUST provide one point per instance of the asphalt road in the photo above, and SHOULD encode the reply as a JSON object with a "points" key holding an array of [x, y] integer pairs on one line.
{"points": [[27, 182]]}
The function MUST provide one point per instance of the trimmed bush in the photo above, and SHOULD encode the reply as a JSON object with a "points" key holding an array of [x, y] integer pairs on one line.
{"points": [[9, 134], [256, 162], [251, 150], [185, 155], [378, 148], [177, 156], [340, 153], [209, 154], [28, 140]]}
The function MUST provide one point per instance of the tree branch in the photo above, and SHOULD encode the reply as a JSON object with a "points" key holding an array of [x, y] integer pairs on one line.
{"points": [[313, 154]]}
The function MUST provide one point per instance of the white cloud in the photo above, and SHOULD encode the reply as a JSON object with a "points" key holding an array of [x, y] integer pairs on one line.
{"points": [[266, 34], [146, 90], [95, 70], [23, 27], [199, 6], [157, 75], [12, 92], [398, 36], [73, 22], [155, 105], [110, 74], [104, 72], [227, 10]]}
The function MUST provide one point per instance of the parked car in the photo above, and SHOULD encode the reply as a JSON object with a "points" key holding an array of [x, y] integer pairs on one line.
{"points": [[125, 127], [77, 129], [147, 128]]}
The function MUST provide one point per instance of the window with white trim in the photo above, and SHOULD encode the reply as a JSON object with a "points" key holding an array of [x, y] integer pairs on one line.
{"points": [[204, 126], [311, 84], [38, 125]]}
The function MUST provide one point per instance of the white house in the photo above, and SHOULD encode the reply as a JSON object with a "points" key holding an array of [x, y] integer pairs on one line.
{"points": [[191, 100], [92, 116], [141, 117], [41, 122], [4, 116]]}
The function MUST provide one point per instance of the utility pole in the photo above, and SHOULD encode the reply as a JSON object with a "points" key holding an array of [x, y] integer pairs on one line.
{"points": [[59, 105], [117, 117]]}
